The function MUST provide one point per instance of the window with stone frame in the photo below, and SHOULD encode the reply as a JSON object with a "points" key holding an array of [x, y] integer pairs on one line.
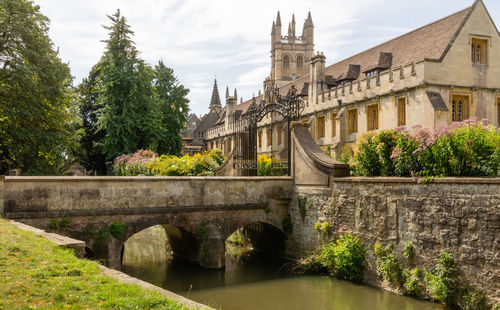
{"points": [[300, 63], [269, 136], [459, 108], [320, 127], [401, 110], [286, 66], [333, 120], [372, 117], [352, 120], [259, 138], [479, 51]]}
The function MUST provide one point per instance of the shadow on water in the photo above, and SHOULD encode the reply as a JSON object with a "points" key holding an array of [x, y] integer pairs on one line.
{"points": [[255, 280]]}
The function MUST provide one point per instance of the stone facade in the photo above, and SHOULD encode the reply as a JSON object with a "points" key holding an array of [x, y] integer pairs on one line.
{"points": [[425, 77], [457, 215]]}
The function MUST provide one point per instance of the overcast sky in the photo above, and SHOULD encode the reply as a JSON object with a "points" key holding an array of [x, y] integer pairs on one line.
{"points": [[230, 39]]}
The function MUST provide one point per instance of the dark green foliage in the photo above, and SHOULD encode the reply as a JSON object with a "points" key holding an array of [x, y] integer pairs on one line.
{"points": [[126, 105], [116, 229], [287, 224], [54, 224], [173, 106], [37, 110], [302, 202], [90, 152], [65, 222]]}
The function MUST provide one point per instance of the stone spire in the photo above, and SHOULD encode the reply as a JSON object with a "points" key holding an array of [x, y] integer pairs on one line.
{"points": [[273, 31], [227, 92], [278, 19], [289, 30], [293, 25], [235, 94], [215, 101], [309, 20]]}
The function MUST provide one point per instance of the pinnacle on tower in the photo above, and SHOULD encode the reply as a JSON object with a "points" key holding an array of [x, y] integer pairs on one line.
{"points": [[278, 19], [235, 94], [241, 100], [309, 21], [293, 24], [215, 101], [289, 30], [273, 31], [227, 92]]}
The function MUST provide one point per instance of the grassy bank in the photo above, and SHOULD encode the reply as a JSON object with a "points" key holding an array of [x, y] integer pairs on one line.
{"points": [[35, 273]]}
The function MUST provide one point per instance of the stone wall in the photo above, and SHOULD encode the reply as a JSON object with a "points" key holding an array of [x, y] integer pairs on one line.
{"points": [[457, 215]]}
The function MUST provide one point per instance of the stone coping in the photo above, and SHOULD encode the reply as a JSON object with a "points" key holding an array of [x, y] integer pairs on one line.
{"points": [[136, 178], [451, 180]]}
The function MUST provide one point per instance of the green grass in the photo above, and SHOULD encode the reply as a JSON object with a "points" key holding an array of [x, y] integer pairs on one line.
{"points": [[35, 273]]}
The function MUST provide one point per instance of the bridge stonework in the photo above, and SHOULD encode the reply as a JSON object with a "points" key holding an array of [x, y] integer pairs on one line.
{"points": [[203, 210]]}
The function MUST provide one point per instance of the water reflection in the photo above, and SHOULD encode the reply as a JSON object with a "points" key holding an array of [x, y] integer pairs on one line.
{"points": [[253, 281]]}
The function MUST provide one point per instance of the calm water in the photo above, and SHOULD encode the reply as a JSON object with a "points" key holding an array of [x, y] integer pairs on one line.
{"points": [[259, 282]]}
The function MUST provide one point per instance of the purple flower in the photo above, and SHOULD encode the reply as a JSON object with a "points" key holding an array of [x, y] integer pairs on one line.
{"points": [[396, 152]]}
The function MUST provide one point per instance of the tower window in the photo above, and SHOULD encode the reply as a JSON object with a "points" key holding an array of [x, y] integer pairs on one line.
{"points": [[286, 65], [300, 62], [269, 136], [479, 51]]}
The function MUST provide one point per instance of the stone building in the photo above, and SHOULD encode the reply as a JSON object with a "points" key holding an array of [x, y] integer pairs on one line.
{"points": [[446, 71]]}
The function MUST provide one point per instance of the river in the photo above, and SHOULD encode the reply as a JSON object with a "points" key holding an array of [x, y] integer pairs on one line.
{"points": [[258, 281]]}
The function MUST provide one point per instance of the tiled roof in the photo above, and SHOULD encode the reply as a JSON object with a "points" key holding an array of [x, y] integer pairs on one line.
{"points": [[436, 100]]}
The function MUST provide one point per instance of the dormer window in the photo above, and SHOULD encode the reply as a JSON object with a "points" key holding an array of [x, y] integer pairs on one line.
{"points": [[479, 51], [372, 73]]}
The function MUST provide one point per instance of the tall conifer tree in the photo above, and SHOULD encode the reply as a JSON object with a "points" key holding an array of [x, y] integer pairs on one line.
{"points": [[130, 114]]}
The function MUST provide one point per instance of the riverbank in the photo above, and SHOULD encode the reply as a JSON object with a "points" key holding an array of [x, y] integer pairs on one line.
{"points": [[36, 273]]}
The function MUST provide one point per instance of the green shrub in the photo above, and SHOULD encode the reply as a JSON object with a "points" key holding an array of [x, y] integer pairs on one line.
{"points": [[325, 228], [413, 282], [116, 229], [65, 222], [441, 282], [388, 266], [317, 226], [54, 224], [408, 250], [470, 148], [349, 258], [470, 298]]}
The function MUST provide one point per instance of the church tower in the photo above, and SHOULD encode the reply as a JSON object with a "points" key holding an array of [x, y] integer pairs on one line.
{"points": [[291, 54], [215, 103]]}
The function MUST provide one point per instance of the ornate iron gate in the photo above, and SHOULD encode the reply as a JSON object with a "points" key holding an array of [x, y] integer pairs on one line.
{"points": [[245, 128]]}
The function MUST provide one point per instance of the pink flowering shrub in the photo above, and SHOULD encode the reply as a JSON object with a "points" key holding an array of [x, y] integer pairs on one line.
{"points": [[470, 148]]}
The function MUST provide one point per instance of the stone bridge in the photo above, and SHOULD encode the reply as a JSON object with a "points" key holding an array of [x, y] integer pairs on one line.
{"points": [[198, 212]]}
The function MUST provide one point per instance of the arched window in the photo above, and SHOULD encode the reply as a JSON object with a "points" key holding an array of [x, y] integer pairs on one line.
{"points": [[300, 62], [286, 66]]}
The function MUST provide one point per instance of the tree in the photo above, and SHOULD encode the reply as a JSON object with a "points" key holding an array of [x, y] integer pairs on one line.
{"points": [[174, 108], [130, 114], [37, 106], [90, 152]]}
